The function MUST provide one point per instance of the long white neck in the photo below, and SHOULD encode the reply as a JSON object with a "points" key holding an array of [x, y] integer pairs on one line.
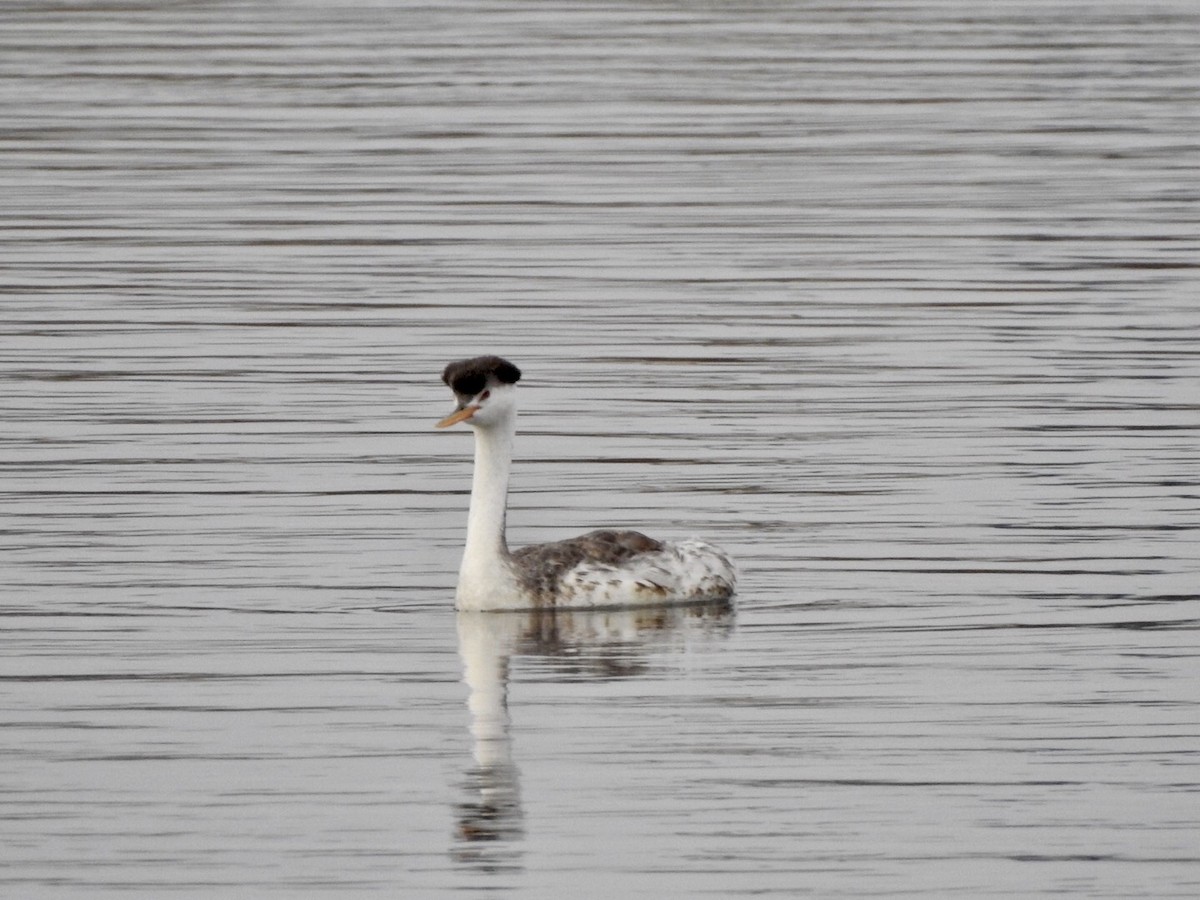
{"points": [[489, 492], [486, 579]]}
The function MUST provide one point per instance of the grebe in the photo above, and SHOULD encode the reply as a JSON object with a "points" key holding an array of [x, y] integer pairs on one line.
{"points": [[598, 569]]}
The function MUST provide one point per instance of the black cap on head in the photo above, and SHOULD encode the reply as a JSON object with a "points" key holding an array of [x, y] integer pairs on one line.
{"points": [[467, 377]]}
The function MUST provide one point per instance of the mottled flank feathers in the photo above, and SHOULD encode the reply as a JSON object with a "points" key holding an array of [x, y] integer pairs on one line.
{"points": [[540, 567], [622, 568], [467, 377]]}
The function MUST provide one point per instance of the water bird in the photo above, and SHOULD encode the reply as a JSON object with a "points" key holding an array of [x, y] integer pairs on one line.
{"points": [[602, 568]]}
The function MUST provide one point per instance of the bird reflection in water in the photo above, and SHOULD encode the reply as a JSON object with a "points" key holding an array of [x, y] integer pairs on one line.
{"points": [[603, 644]]}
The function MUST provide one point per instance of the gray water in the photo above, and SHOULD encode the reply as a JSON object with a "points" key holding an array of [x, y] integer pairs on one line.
{"points": [[896, 301]]}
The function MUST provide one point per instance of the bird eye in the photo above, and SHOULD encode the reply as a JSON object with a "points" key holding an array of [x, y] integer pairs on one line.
{"points": [[485, 395]]}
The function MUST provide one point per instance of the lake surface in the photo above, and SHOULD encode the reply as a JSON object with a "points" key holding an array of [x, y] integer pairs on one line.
{"points": [[897, 302]]}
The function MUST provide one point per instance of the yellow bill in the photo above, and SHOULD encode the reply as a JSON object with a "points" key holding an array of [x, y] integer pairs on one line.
{"points": [[459, 415]]}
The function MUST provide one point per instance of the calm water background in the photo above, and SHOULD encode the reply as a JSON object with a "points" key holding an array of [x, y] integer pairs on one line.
{"points": [[896, 301]]}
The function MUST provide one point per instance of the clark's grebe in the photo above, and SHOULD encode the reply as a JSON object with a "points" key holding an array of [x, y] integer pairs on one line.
{"points": [[598, 569]]}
